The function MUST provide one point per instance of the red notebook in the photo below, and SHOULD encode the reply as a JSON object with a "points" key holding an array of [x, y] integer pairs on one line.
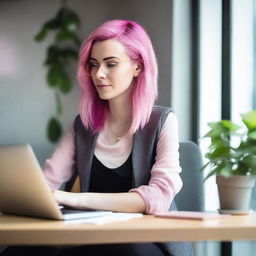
{"points": [[191, 215]]}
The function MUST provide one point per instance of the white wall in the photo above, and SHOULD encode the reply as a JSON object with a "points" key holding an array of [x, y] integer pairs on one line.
{"points": [[181, 66], [25, 101], [242, 58]]}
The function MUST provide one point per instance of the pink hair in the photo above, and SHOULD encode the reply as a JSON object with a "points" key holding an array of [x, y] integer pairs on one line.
{"points": [[133, 37]]}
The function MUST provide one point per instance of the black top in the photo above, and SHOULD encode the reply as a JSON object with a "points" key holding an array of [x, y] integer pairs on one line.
{"points": [[106, 180]]}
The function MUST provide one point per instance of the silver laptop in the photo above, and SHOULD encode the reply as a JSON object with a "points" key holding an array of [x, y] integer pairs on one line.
{"points": [[24, 190]]}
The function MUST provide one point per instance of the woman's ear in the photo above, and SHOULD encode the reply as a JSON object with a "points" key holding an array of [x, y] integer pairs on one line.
{"points": [[138, 69]]}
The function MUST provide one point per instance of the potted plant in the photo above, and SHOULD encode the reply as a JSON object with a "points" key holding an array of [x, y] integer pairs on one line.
{"points": [[59, 54], [232, 158]]}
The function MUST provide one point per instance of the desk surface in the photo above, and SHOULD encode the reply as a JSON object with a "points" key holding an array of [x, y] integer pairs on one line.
{"points": [[23, 230]]}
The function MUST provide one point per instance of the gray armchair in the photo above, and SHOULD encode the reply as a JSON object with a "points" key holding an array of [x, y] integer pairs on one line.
{"points": [[191, 196]]}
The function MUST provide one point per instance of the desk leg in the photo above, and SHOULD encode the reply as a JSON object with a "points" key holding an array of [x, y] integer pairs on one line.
{"points": [[226, 248]]}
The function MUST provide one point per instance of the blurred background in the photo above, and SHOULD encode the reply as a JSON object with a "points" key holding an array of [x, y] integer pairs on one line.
{"points": [[207, 71]]}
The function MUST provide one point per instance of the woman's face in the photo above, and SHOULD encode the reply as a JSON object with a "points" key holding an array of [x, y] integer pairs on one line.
{"points": [[112, 70]]}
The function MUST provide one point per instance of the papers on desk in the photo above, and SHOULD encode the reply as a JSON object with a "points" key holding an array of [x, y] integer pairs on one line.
{"points": [[74, 214], [110, 217], [191, 215]]}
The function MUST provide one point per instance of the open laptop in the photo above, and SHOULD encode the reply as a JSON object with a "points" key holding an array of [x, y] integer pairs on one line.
{"points": [[24, 190]]}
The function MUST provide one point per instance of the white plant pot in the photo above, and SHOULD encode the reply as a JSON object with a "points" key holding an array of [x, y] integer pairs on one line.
{"points": [[235, 192]]}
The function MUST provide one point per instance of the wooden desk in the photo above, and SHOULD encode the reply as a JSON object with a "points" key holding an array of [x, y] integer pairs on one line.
{"points": [[16, 230]]}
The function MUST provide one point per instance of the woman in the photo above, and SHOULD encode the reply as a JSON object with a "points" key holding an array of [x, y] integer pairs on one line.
{"points": [[117, 72], [123, 148]]}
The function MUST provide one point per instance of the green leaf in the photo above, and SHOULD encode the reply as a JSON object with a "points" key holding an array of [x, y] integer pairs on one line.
{"points": [[252, 135], [230, 125], [57, 77], [219, 152], [68, 19], [40, 36], [50, 25], [62, 35], [211, 173], [53, 55], [249, 120], [221, 128], [53, 24], [64, 83], [239, 152], [226, 170], [54, 130], [58, 104], [69, 53], [219, 143], [216, 126], [205, 165], [52, 76], [250, 160], [71, 23]]}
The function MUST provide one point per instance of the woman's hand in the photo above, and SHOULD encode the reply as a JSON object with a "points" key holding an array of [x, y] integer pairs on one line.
{"points": [[64, 198]]}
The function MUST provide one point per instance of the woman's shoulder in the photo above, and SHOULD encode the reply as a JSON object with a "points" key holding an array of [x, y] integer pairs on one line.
{"points": [[77, 119], [78, 125]]}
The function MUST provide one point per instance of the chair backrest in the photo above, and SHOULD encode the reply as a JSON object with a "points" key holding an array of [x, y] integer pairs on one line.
{"points": [[191, 196]]}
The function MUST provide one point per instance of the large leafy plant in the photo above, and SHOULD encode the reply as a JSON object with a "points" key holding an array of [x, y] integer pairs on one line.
{"points": [[223, 157], [64, 49]]}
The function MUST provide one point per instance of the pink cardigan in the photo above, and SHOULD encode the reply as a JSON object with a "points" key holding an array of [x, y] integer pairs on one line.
{"points": [[165, 180]]}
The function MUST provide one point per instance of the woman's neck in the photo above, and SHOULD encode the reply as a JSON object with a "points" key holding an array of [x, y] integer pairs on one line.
{"points": [[120, 117], [120, 111]]}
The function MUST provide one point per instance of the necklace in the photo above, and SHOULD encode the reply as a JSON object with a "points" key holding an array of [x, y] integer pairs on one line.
{"points": [[117, 132], [117, 138]]}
